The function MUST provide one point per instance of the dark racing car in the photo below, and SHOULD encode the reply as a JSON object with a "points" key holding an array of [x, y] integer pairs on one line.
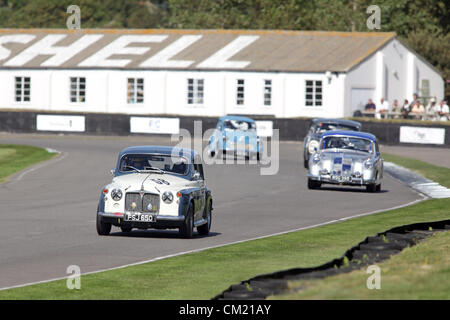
{"points": [[321, 125]]}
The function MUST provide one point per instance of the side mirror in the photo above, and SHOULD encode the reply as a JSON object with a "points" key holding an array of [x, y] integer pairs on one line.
{"points": [[112, 171], [196, 176]]}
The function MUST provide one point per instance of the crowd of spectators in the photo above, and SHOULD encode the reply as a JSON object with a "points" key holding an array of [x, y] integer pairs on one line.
{"points": [[409, 110]]}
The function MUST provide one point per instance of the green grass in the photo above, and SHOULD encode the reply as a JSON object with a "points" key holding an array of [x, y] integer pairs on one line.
{"points": [[438, 174], [14, 158], [204, 274], [418, 272]]}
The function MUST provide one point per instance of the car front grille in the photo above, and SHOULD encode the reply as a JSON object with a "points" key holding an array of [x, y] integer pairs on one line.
{"points": [[149, 202]]}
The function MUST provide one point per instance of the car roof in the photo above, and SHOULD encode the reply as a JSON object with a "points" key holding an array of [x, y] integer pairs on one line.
{"points": [[347, 133], [166, 150], [237, 118], [339, 121]]}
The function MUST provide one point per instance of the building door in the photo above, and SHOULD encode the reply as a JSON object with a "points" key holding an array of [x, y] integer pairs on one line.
{"points": [[359, 98]]}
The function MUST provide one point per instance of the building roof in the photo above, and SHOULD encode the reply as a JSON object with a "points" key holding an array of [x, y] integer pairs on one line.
{"points": [[250, 50], [356, 134]]}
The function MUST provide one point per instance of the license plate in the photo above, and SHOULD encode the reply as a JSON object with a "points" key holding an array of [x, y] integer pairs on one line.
{"points": [[340, 178], [139, 217]]}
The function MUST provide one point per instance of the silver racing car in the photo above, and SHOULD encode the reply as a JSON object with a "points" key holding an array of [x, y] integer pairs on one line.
{"points": [[346, 158]]}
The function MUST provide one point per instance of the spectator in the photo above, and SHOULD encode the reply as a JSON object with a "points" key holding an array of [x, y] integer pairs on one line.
{"points": [[396, 108], [383, 108], [431, 108], [370, 106], [418, 108], [414, 101], [405, 109], [443, 111]]}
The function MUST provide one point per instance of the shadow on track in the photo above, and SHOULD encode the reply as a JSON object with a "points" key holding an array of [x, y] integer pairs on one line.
{"points": [[348, 189], [159, 234]]}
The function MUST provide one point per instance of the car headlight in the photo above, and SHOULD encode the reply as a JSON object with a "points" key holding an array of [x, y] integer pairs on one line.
{"points": [[116, 194], [313, 144], [167, 197], [316, 158], [368, 164]]}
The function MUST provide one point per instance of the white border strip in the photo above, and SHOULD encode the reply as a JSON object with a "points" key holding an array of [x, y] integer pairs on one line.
{"points": [[430, 188], [227, 244]]}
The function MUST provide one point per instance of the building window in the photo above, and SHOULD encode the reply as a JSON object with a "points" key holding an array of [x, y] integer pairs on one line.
{"points": [[23, 89], [313, 95], [240, 92], [135, 90], [77, 89], [267, 92], [195, 91]]}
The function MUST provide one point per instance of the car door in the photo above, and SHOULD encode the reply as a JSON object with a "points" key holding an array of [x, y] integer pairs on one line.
{"points": [[199, 194], [380, 167], [202, 189], [306, 142]]}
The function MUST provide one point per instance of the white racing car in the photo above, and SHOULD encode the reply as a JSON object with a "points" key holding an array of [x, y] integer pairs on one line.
{"points": [[346, 158], [156, 187]]}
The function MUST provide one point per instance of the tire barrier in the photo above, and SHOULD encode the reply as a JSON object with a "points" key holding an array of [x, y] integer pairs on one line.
{"points": [[373, 249]]}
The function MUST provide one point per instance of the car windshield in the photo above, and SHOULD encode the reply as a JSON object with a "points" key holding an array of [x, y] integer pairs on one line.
{"points": [[239, 125], [350, 143], [323, 127], [154, 162]]}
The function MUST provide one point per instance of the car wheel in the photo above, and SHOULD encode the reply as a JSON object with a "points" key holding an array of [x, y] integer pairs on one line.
{"points": [[187, 229], [371, 187], [212, 152], [103, 228], [305, 164], [312, 184], [126, 228], [378, 188], [204, 229]]}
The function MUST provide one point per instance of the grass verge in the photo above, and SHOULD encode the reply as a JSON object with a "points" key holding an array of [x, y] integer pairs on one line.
{"points": [[204, 274], [14, 158], [419, 272]]}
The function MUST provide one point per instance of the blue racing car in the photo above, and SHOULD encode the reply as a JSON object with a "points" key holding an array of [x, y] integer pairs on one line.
{"points": [[236, 135]]}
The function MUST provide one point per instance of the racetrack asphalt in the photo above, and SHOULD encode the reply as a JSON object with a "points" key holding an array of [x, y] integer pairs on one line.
{"points": [[48, 214]]}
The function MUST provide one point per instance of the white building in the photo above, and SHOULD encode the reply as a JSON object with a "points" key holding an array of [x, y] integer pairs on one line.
{"points": [[208, 72]]}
